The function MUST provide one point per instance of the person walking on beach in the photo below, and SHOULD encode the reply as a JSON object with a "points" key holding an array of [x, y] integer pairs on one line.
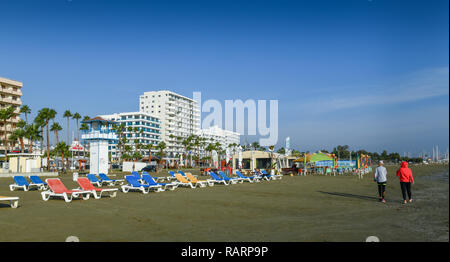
{"points": [[381, 178], [406, 179]]}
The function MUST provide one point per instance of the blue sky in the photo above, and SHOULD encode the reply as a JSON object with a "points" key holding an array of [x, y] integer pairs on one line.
{"points": [[370, 74]]}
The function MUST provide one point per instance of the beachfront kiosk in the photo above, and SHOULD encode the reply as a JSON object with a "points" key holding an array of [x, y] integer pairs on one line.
{"points": [[99, 137]]}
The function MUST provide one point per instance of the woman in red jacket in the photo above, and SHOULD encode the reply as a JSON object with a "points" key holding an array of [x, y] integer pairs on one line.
{"points": [[406, 178]]}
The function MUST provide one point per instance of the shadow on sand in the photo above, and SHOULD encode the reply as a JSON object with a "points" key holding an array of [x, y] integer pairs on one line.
{"points": [[350, 195]]}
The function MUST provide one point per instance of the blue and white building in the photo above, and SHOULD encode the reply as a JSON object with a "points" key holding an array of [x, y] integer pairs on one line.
{"points": [[139, 126]]}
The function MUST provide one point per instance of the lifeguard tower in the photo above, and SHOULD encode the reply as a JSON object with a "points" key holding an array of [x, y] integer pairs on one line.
{"points": [[99, 136]]}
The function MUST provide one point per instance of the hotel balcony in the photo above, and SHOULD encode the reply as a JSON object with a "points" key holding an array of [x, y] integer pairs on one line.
{"points": [[11, 91], [11, 101]]}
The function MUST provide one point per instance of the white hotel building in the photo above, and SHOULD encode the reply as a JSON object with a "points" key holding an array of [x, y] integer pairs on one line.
{"points": [[179, 115], [10, 94], [149, 124], [215, 134]]}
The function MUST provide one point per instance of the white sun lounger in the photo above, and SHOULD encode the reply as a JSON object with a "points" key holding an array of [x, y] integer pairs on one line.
{"points": [[13, 201]]}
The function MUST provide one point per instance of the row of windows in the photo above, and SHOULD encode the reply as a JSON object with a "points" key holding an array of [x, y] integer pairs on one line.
{"points": [[144, 142], [143, 124], [149, 118], [143, 135]]}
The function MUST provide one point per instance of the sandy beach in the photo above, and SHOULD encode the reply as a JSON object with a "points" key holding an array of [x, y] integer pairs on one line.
{"points": [[311, 208]]}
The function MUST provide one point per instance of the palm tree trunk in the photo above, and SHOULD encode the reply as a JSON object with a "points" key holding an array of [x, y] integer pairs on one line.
{"points": [[78, 132], [30, 148], [22, 145], [48, 148], [149, 156], [6, 142], [42, 139], [67, 131], [62, 160]]}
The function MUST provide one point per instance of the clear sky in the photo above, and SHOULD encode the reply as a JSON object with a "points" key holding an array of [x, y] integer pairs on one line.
{"points": [[372, 74]]}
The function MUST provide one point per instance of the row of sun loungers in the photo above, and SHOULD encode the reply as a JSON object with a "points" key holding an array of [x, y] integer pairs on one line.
{"points": [[22, 182], [86, 189], [53, 187]]}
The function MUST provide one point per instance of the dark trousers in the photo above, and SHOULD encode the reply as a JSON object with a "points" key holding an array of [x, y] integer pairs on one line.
{"points": [[381, 189], [406, 188]]}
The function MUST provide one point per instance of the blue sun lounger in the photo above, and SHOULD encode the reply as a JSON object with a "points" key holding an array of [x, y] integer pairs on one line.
{"points": [[110, 181], [134, 184], [38, 181], [21, 182], [163, 186], [172, 176], [250, 179], [267, 176], [94, 180], [136, 175], [157, 179], [216, 179], [230, 180]]}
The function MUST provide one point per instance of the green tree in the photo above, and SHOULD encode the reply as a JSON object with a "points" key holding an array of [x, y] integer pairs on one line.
{"points": [[56, 128], [63, 149], [19, 134], [47, 114], [121, 140], [255, 145], [67, 115], [209, 148], [161, 146], [33, 133], [25, 110], [281, 151], [149, 147], [77, 117]]}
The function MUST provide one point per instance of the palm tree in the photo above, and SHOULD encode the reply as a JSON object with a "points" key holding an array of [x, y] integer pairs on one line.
{"points": [[63, 149], [84, 127], [149, 147], [19, 134], [14, 137], [25, 110], [161, 146], [56, 128], [47, 114], [209, 149], [256, 146], [137, 155], [5, 115], [67, 115], [40, 123], [187, 144], [33, 133], [77, 117], [119, 130]]}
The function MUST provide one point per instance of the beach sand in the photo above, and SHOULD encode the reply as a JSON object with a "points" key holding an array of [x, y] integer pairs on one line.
{"points": [[311, 208]]}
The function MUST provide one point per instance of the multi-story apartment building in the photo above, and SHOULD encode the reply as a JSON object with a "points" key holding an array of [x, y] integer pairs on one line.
{"points": [[11, 92], [179, 115], [216, 134], [140, 126]]}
